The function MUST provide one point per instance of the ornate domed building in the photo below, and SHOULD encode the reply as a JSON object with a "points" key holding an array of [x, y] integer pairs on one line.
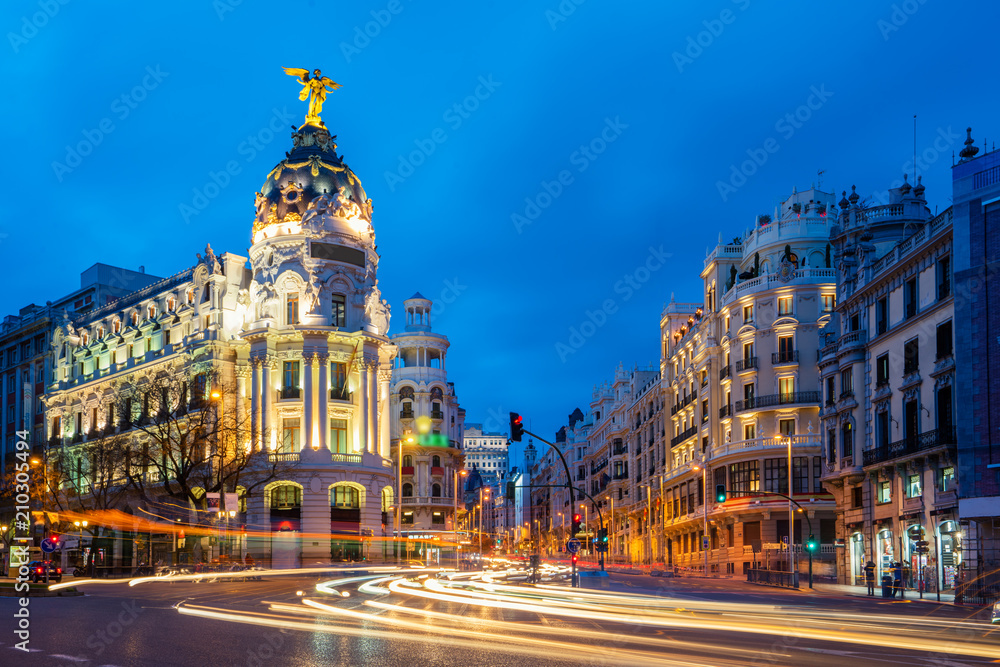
{"points": [[277, 364], [319, 356]]}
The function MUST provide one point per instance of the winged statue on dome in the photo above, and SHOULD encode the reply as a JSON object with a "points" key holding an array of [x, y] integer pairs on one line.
{"points": [[314, 89]]}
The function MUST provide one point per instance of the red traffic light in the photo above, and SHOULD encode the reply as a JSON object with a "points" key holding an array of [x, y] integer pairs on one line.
{"points": [[54, 539], [577, 518]]}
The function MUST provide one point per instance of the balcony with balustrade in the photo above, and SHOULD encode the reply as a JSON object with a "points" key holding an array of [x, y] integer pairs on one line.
{"points": [[773, 400], [918, 444]]}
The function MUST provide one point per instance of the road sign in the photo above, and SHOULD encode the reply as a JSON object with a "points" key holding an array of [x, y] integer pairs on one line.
{"points": [[784, 540], [916, 533], [573, 545], [704, 541], [48, 546]]}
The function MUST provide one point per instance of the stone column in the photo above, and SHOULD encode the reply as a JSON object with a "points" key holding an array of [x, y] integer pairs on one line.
{"points": [[255, 402], [308, 400], [323, 418], [384, 376], [363, 432], [315, 522], [242, 372], [373, 431], [267, 395]]}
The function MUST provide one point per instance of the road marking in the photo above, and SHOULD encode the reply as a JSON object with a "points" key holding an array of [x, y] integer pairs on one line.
{"points": [[71, 658]]}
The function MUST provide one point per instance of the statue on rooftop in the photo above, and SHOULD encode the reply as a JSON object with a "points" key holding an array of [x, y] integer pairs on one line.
{"points": [[314, 89]]}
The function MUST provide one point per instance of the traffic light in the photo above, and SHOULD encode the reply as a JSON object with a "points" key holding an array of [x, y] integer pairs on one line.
{"points": [[811, 544], [510, 489], [720, 493], [602, 536], [576, 524], [516, 427]]}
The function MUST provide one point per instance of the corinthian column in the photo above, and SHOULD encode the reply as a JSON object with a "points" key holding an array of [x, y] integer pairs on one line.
{"points": [[384, 376], [308, 399], [255, 402], [373, 407], [363, 431], [323, 417]]}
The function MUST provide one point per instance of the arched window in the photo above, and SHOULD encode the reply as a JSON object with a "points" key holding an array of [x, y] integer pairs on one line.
{"points": [[436, 393], [338, 310], [135, 317], [387, 498], [407, 490], [436, 461], [346, 497], [407, 461], [116, 326], [436, 491], [286, 496], [406, 393]]}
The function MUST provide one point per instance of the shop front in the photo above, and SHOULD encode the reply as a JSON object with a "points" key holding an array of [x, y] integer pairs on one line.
{"points": [[856, 558], [950, 547], [885, 552]]}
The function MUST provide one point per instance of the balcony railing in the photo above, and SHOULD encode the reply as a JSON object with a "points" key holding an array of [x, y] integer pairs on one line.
{"points": [[844, 395], [918, 443], [785, 357], [758, 402], [406, 414], [282, 457], [746, 364], [683, 436], [619, 450], [725, 372], [338, 394], [437, 414], [289, 392], [725, 411], [437, 470], [346, 458]]}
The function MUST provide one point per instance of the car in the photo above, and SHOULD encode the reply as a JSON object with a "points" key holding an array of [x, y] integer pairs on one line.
{"points": [[37, 571], [661, 572], [995, 617]]}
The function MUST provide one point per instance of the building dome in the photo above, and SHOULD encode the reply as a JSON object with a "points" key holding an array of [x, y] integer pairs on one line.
{"points": [[312, 185]]}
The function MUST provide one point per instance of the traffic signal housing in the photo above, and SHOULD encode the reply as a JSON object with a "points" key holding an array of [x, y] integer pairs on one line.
{"points": [[516, 427], [602, 536], [576, 524], [811, 544], [720, 493]]}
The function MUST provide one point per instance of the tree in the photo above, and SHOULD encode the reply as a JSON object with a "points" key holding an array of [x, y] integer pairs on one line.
{"points": [[191, 437]]}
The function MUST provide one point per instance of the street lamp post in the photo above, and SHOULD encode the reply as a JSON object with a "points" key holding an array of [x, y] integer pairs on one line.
{"points": [[80, 525], [704, 506], [791, 521], [611, 526]]}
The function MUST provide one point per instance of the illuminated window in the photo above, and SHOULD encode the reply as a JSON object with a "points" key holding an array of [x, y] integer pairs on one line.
{"points": [[338, 310], [338, 436], [346, 497], [291, 434], [292, 308], [748, 313], [884, 492], [913, 486], [785, 305], [829, 301]]}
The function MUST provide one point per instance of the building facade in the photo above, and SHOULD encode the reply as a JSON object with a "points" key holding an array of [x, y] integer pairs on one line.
{"points": [[976, 196], [888, 370], [427, 425], [485, 452], [292, 338]]}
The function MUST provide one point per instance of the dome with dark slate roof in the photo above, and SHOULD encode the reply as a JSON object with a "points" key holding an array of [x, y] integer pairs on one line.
{"points": [[311, 177]]}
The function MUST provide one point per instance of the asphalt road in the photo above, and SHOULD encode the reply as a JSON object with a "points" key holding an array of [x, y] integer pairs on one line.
{"points": [[635, 620]]}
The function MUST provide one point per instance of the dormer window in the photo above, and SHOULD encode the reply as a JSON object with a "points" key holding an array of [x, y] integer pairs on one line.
{"points": [[100, 332], [171, 303], [190, 296], [135, 318], [116, 326], [151, 311], [85, 338]]}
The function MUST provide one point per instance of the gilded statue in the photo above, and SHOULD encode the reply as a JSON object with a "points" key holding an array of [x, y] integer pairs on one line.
{"points": [[314, 89]]}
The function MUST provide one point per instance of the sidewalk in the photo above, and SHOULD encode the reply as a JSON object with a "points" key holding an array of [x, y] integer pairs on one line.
{"points": [[862, 591]]}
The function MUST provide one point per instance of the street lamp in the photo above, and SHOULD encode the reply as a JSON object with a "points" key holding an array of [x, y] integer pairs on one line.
{"points": [[80, 525], [791, 519], [704, 505], [611, 522]]}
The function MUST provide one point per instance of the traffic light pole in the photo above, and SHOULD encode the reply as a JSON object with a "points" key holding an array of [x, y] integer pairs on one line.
{"points": [[791, 542]]}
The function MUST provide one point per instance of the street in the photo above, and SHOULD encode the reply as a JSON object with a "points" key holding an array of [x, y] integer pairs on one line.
{"points": [[381, 616]]}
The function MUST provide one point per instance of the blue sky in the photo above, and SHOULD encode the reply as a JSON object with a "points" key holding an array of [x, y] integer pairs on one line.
{"points": [[589, 142]]}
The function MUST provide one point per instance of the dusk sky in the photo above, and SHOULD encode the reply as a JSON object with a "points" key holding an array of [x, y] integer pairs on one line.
{"points": [[526, 160]]}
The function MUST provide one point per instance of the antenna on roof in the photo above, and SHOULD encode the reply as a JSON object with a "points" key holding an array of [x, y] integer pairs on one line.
{"points": [[819, 178], [914, 148]]}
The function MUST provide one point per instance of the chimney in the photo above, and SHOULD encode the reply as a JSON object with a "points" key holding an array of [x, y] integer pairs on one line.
{"points": [[142, 269]]}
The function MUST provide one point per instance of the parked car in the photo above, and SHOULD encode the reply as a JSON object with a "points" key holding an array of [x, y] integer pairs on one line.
{"points": [[37, 570], [995, 617]]}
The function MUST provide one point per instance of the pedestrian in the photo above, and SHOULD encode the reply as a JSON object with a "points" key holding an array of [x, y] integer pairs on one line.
{"points": [[898, 580], [870, 577], [248, 560]]}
